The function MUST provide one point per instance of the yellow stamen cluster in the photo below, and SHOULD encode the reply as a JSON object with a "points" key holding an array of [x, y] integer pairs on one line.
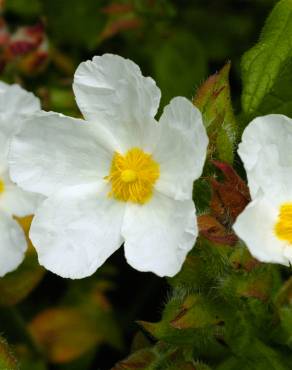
{"points": [[2, 186], [283, 227], [132, 176]]}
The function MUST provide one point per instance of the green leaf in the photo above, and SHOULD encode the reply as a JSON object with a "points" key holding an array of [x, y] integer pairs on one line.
{"points": [[73, 329], [190, 321], [214, 101], [250, 351], [267, 67]]}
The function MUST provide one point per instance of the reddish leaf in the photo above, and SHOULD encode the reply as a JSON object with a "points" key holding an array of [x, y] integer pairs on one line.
{"points": [[230, 197], [64, 334], [212, 230]]}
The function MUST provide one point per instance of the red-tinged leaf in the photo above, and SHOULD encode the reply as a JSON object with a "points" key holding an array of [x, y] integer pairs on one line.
{"points": [[214, 231], [230, 197], [242, 259], [227, 203], [194, 313], [64, 334], [233, 178], [84, 321], [159, 356]]}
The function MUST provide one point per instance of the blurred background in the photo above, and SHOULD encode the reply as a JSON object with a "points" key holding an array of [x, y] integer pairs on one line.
{"points": [[90, 324]]}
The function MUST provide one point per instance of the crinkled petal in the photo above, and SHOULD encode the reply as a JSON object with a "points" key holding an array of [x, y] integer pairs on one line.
{"points": [[255, 226], [266, 153], [53, 151], [159, 234], [181, 150], [15, 104], [12, 244], [111, 90], [76, 230]]}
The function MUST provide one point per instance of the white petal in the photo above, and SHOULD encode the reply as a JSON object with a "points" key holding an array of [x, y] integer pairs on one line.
{"points": [[15, 104], [266, 153], [111, 88], [76, 230], [112, 91], [16, 201], [255, 226], [53, 151], [12, 244], [159, 234], [181, 150]]}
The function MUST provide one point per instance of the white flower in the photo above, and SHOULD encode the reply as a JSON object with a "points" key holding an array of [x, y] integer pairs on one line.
{"points": [[116, 177], [266, 223], [15, 104]]}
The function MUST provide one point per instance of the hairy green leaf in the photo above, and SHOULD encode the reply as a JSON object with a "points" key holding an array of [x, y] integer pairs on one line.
{"points": [[214, 101]]}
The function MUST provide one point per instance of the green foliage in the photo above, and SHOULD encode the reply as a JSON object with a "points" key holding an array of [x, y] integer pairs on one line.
{"points": [[267, 67], [227, 314], [214, 101]]}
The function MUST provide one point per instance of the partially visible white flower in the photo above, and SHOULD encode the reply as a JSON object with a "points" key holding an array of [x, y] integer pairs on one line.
{"points": [[266, 223], [117, 177], [15, 105]]}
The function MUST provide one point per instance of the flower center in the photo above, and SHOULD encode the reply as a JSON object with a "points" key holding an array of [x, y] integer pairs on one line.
{"points": [[2, 186], [132, 176], [283, 227]]}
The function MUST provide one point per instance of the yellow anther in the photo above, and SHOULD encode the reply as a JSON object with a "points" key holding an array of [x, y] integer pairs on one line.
{"points": [[132, 176], [2, 186], [129, 176], [283, 227]]}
